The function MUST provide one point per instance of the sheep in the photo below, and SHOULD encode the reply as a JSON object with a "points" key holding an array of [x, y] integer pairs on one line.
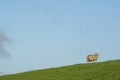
{"points": [[91, 58]]}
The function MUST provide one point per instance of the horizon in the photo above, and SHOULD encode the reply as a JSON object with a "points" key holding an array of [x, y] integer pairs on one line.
{"points": [[52, 33]]}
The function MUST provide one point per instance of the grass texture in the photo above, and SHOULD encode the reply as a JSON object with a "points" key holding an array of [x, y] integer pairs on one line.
{"points": [[108, 70]]}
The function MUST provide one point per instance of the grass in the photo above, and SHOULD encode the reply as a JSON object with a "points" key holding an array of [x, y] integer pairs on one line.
{"points": [[108, 70]]}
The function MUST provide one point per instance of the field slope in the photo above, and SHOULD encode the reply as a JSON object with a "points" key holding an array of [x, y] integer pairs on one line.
{"points": [[108, 70]]}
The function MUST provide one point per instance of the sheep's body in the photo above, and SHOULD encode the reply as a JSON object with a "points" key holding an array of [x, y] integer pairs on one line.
{"points": [[91, 58]]}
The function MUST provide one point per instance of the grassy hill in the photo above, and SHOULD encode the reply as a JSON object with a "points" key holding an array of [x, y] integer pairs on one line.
{"points": [[108, 70]]}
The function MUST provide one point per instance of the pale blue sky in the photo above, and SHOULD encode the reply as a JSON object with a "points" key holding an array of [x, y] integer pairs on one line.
{"points": [[50, 33]]}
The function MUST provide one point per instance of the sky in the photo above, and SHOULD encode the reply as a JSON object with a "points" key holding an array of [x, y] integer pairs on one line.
{"points": [[52, 33]]}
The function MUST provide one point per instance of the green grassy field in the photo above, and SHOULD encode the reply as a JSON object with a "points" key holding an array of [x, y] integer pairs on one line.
{"points": [[108, 70]]}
